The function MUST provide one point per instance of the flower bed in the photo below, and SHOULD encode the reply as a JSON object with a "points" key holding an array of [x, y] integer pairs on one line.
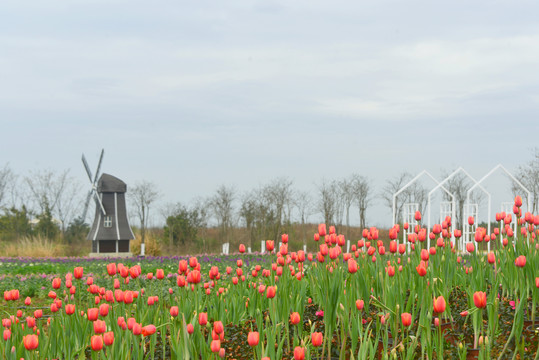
{"points": [[370, 303]]}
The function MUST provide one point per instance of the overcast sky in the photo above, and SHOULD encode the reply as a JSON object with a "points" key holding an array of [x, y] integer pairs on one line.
{"points": [[194, 94]]}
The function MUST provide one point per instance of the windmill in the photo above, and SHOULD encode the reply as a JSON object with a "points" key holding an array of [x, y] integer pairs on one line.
{"points": [[110, 232]]}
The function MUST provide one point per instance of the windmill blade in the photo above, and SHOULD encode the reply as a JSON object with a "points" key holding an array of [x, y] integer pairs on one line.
{"points": [[98, 200], [87, 168], [99, 165], [86, 204]]}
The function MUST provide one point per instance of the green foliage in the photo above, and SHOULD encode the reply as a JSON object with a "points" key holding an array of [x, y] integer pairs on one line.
{"points": [[183, 226], [46, 225], [14, 224], [76, 231]]}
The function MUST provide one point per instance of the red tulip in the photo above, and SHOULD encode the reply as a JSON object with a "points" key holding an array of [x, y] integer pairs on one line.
{"points": [[77, 272], [30, 321], [182, 266], [470, 247], [299, 353], [194, 276], [100, 326], [160, 274], [491, 258], [270, 292], [242, 248], [520, 261], [202, 319], [104, 310], [402, 249], [92, 314], [406, 319], [421, 269], [480, 299], [108, 338], [518, 201], [417, 216], [360, 304], [7, 334], [134, 272], [284, 238], [174, 311], [190, 328], [392, 247], [439, 305], [56, 283], [70, 309], [96, 342], [193, 262], [322, 229], [294, 318], [253, 338], [317, 338], [148, 330], [215, 345], [218, 327], [31, 342], [270, 245], [137, 329], [422, 235], [537, 282], [352, 266]]}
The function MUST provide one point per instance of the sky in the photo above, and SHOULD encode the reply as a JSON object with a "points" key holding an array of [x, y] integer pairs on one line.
{"points": [[191, 95]]}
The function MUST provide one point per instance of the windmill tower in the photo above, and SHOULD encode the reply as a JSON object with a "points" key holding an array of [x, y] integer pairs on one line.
{"points": [[110, 232]]}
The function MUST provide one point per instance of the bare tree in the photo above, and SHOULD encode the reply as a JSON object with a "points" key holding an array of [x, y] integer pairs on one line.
{"points": [[143, 194], [347, 197], [248, 213], [303, 202], [458, 185], [166, 210], [278, 195], [222, 204], [6, 181], [201, 206], [326, 201], [418, 194], [392, 186], [361, 193], [528, 175], [57, 193]]}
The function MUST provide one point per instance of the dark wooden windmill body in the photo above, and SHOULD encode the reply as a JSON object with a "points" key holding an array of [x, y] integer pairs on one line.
{"points": [[110, 232]]}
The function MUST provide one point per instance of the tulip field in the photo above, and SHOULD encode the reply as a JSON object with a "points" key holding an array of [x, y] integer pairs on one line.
{"points": [[383, 299]]}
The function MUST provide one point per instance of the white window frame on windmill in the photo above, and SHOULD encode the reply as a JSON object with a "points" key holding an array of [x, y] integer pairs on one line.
{"points": [[107, 222]]}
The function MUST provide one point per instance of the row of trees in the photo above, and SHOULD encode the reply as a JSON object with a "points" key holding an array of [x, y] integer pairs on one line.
{"points": [[50, 204]]}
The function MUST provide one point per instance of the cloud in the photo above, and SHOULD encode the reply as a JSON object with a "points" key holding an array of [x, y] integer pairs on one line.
{"points": [[442, 78]]}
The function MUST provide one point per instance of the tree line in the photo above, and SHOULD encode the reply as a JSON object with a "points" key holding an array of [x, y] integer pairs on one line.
{"points": [[50, 204]]}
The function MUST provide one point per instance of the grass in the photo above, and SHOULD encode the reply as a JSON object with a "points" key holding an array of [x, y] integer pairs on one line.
{"points": [[36, 246]]}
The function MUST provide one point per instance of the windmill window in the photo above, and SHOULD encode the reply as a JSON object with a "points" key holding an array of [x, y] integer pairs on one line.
{"points": [[108, 221]]}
